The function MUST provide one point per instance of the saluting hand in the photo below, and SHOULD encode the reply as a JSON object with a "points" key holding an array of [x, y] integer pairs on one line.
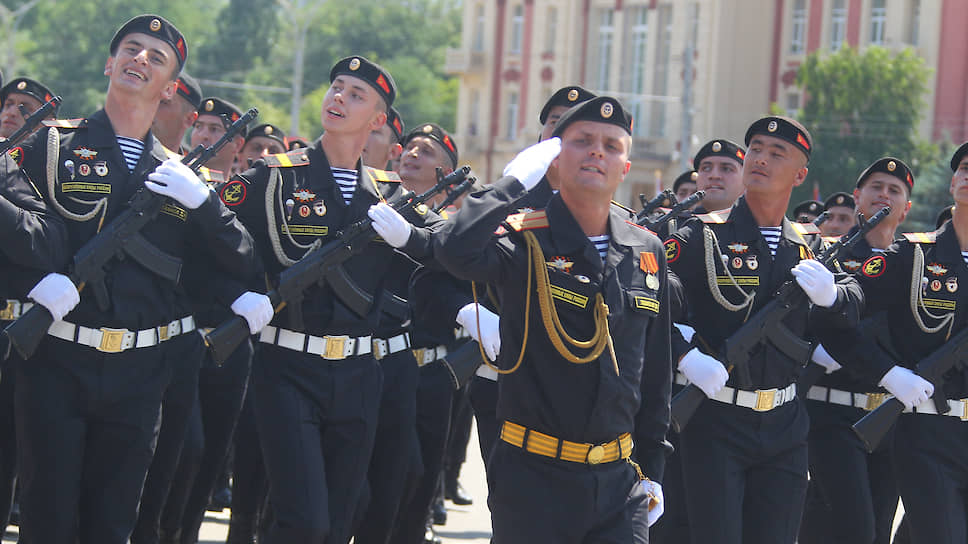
{"points": [[531, 164]]}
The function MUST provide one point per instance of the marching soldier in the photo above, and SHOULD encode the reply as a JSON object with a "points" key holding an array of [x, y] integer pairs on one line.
{"points": [[579, 379], [807, 211], [840, 214], [24, 92], [94, 388], [685, 185], [383, 147], [262, 141], [214, 117], [177, 114]]}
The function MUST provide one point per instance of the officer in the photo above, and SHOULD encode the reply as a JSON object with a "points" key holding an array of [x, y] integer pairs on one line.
{"points": [[685, 185], [214, 117], [752, 441], [24, 92], [840, 214], [567, 428], [261, 141], [858, 489], [316, 383], [383, 147], [807, 211], [95, 386], [176, 115]]}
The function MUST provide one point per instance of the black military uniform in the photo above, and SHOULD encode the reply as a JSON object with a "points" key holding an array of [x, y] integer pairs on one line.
{"points": [[752, 443], [807, 211], [317, 378], [566, 428]]}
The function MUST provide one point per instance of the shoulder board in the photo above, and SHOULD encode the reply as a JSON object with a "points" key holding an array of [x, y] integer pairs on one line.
{"points": [[627, 209], [921, 237], [528, 221], [805, 228], [831, 240], [64, 123], [296, 157], [386, 176], [716, 217], [638, 226], [211, 176]]}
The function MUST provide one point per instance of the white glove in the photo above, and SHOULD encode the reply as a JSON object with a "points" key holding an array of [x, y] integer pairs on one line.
{"points": [[706, 372], [906, 386], [531, 164], [656, 502], [686, 331], [255, 308], [817, 282], [390, 225], [490, 327], [177, 181], [822, 358], [57, 293]]}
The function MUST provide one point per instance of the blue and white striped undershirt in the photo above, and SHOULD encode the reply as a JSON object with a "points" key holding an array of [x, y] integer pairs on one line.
{"points": [[131, 149], [772, 237], [346, 179], [601, 244]]}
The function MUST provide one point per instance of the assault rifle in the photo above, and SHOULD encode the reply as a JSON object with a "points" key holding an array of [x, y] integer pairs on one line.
{"points": [[766, 325], [322, 264], [30, 123], [454, 194], [693, 199], [821, 219], [664, 199], [121, 235]]}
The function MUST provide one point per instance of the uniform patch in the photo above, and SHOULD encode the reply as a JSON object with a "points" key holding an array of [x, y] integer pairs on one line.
{"points": [[740, 280], [939, 304], [528, 221], [17, 154], [672, 249], [570, 297], [174, 211], [84, 187], [233, 193], [386, 176], [646, 303], [304, 230], [874, 266], [296, 157], [851, 265]]}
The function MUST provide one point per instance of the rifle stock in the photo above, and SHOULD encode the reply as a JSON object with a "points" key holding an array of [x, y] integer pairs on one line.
{"points": [[665, 198]]}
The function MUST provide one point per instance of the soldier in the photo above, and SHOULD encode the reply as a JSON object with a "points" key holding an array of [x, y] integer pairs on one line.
{"points": [[176, 115], [24, 92], [567, 428], [807, 211], [685, 185], [316, 383], [751, 441], [94, 387], [840, 214], [383, 147], [214, 117], [719, 169], [262, 141]]}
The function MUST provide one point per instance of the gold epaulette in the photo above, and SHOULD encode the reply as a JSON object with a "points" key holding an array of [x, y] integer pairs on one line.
{"points": [[296, 157], [171, 154], [805, 228], [528, 221], [921, 237], [386, 176], [64, 123], [625, 208], [211, 176], [716, 217]]}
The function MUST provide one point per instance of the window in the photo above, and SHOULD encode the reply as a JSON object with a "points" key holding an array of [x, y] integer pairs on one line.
{"points": [[792, 104], [838, 24], [915, 22], [551, 29], [517, 29], [798, 28], [660, 74], [475, 113], [635, 61], [479, 29], [512, 117], [606, 33], [878, 21]]}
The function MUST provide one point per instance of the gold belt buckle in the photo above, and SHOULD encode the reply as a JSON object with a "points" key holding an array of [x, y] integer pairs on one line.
{"points": [[163, 333], [964, 409], [764, 400], [335, 348], [9, 312], [111, 340], [418, 354], [595, 455], [874, 400]]}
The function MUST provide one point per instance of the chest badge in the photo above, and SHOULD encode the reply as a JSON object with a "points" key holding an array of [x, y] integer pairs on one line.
{"points": [[752, 263], [101, 168], [737, 262], [304, 195], [851, 265], [649, 264], [85, 153], [738, 248], [290, 204], [936, 269], [560, 263], [304, 211], [951, 284], [319, 208], [84, 169], [935, 285]]}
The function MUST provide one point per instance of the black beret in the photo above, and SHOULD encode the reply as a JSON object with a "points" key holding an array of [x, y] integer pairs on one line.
{"points": [[943, 215], [812, 207], [719, 148], [892, 166], [28, 87], [784, 128], [601, 109], [268, 131], [689, 176], [189, 89], [157, 26], [395, 122], [370, 72], [434, 132], [228, 111], [839, 199], [959, 154], [567, 97]]}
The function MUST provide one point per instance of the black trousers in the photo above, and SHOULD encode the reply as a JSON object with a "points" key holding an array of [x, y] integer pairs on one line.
{"points": [[745, 473], [392, 450], [673, 526], [856, 492], [461, 418], [537, 499], [8, 437], [250, 485], [317, 422], [482, 393], [932, 475], [86, 429]]}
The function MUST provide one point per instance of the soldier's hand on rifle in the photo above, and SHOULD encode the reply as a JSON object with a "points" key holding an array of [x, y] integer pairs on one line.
{"points": [[57, 293], [822, 358], [706, 372], [656, 502], [531, 164], [255, 308], [686, 331], [817, 282], [177, 181], [389, 224], [906, 386], [490, 330]]}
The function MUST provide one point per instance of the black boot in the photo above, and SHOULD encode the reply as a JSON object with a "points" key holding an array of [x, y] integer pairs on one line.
{"points": [[454, 492]]}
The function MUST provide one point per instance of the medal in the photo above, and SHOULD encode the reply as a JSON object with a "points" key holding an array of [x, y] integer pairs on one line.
{"points": [[290, 204], [101, 168], [935, 285], [737, 262], [752, 263], [304, 211], [304, 195], [651, 281], [84, 169], [319, 208], [951, 284]]}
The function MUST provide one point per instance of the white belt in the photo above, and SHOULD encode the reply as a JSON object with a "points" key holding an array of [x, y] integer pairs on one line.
{"points": [[395, 344], [426, 356], [461, 332], [333, 348], [864, 401], [13, 309], [761, 400], [487, 373], [118, 340], [959, 409]]}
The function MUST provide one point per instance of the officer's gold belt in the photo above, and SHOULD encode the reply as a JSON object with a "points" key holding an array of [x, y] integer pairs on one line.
{"points": [[576, 452], [11, 310]]}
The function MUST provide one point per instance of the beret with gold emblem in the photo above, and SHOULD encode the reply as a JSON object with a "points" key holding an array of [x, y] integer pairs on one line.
{"points": [[295, 142], [811, 207], [689, 176], [891, 166], [567, 97], [157, 26], [784, 128], [943, 215], [395, 122], [27, 86], [268, 131], [601, 109], [839, 199], [227, 111], [189, 89], [372, 73], [439, 135], [958, 156], [719, 148]]}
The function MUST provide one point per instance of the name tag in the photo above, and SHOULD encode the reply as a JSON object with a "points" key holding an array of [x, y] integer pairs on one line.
{"points": [[305, 230], [570, 297], [84, 187]]}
